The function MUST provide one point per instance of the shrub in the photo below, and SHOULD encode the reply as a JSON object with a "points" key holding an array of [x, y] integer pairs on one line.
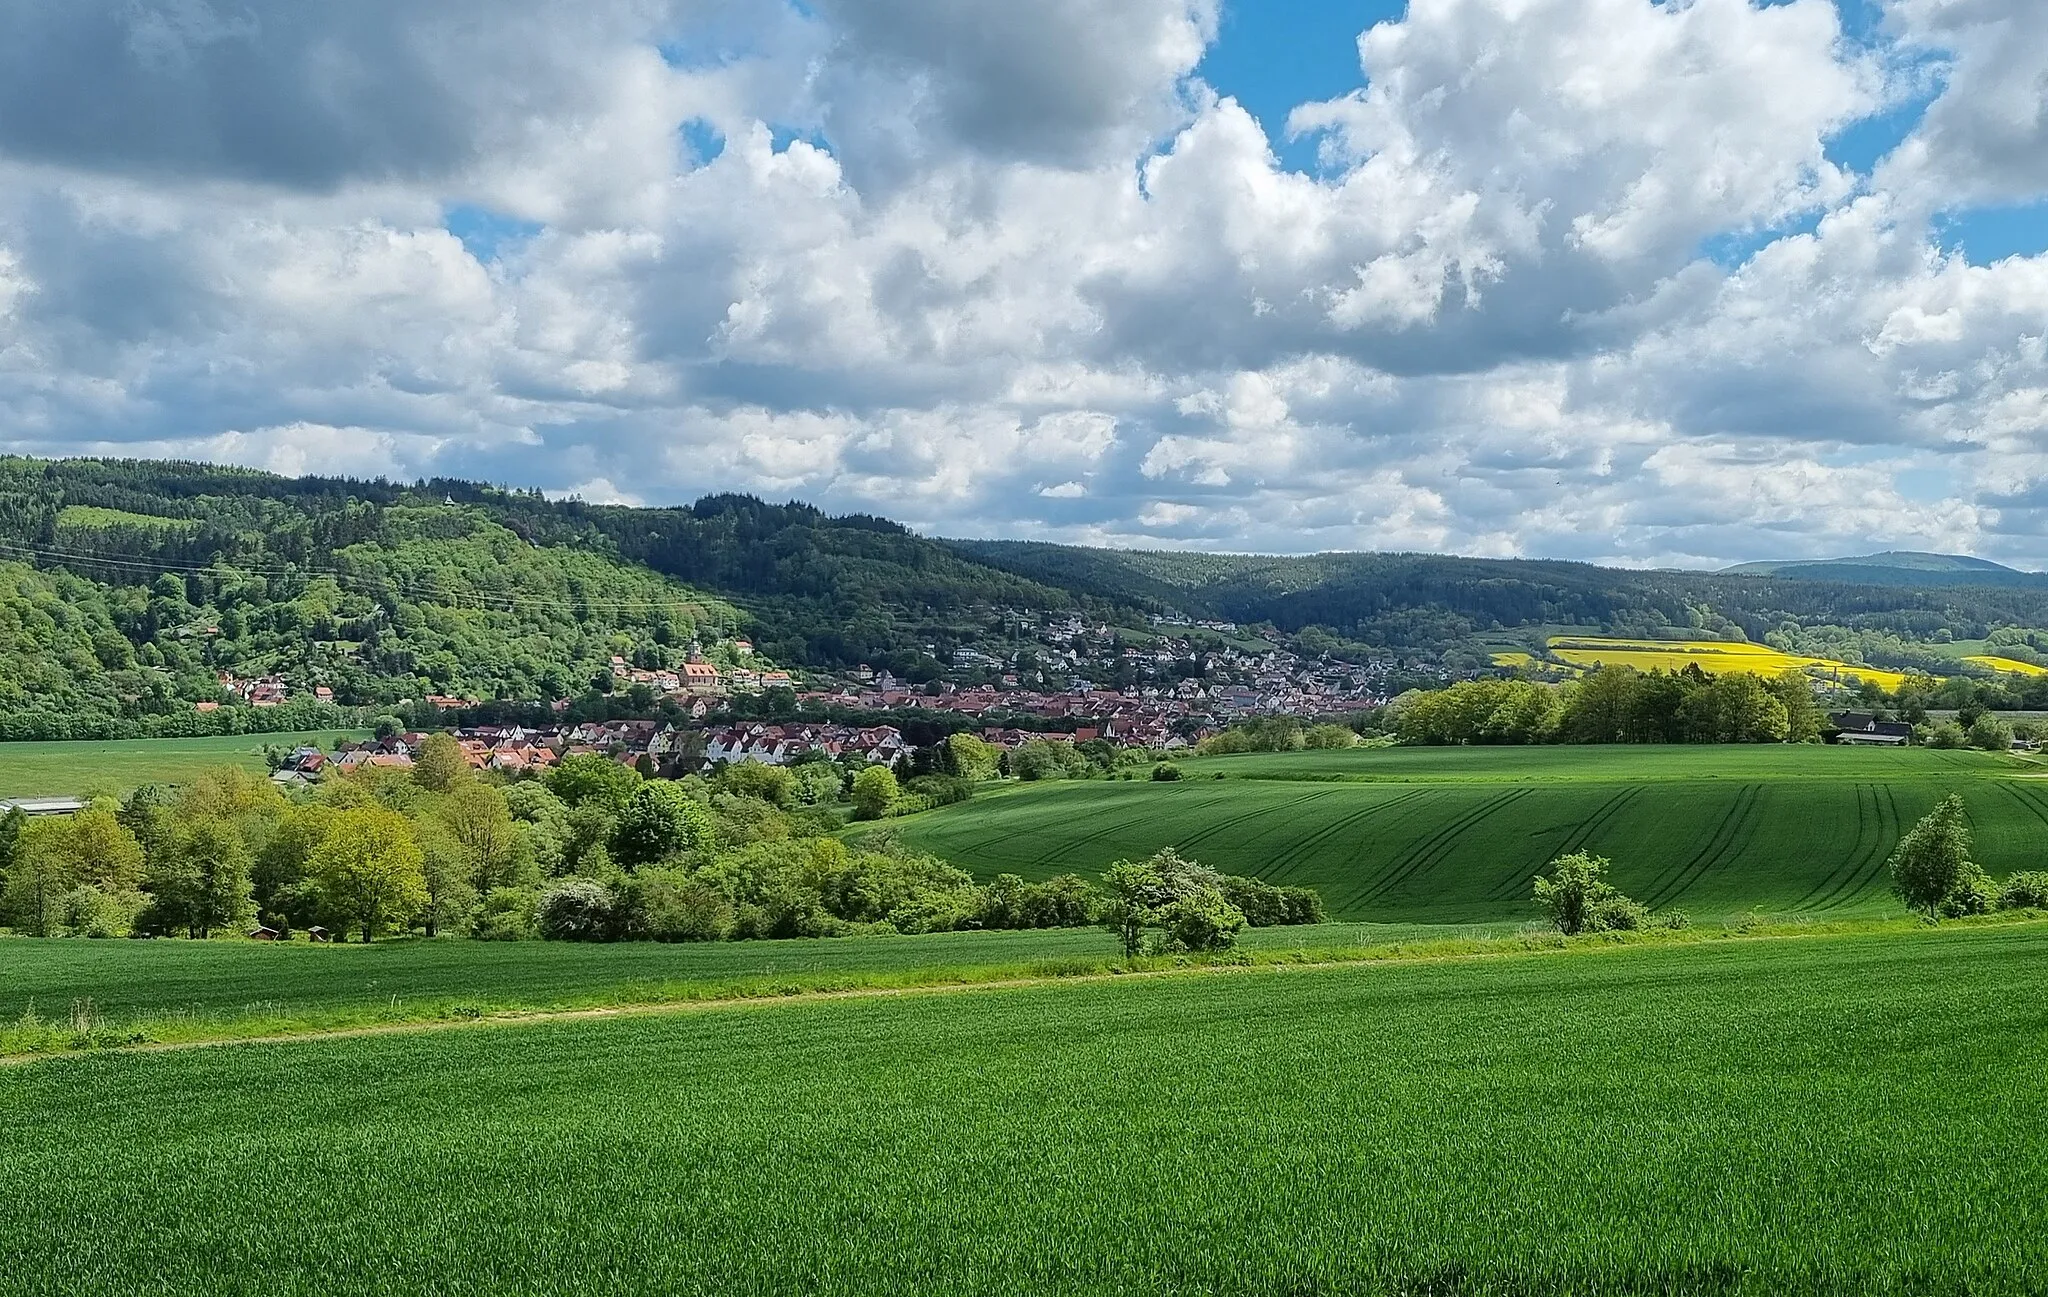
{"points": [[1572, 890], [2025, 891], [1617, 913], [1991, 734], [668, 905], [507, 914], [941, 790], [1303, 905], [1972, 893], [1948, 734], [1166, 773], [1201, 921], [575, 909]]}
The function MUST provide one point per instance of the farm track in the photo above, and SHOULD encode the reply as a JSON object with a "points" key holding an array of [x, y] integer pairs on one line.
{"points": [[1870, 838], [1314, 961], [1739, 821]]}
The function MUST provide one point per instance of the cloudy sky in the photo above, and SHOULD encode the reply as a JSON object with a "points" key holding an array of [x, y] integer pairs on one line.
{"points": [[1677, 283]]}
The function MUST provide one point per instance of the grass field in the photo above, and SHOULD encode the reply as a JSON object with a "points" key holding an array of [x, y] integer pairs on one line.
{"points": [[1825, 1116], [70, 769], [1454, 835], [178, 990]]}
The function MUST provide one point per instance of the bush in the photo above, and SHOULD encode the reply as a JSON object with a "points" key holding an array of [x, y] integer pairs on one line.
{"points": [[1991, 734], [941, 790], [1972, 893], [874, 791], [507, 914], [1948, 734], [1579, 899], [2025, 891], [576, 909], [1617, 913], [668, 905], [1267, 906], [1202, 921], [1166, 773]]}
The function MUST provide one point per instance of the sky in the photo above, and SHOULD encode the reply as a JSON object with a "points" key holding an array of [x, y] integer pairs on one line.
{"points": [[1672, 283]]}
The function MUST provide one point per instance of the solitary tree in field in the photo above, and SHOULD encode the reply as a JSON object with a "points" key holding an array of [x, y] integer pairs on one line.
{"points": [[1932, 871], [370, 868], [1579, 899]]}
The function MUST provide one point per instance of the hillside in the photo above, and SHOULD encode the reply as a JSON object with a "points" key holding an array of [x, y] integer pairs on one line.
{"points": [[1896, 567], [130, 587], [1434, 603]]}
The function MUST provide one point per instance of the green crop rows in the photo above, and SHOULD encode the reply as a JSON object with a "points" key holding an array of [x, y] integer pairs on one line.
{"points": [[1850, 1115], [1455, 835]]}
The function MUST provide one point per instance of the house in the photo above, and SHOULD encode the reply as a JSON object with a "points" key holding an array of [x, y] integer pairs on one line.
{"points": [[289, 780], [261, 933], [700, 677], [1865, 729]]}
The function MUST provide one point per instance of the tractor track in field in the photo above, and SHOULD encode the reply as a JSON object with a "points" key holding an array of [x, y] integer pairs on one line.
{"points": [[1436, 848], [1860, 872], [1510, 887], [1868, 808], [1224, 826], [1283, 865], [1733, 826]]}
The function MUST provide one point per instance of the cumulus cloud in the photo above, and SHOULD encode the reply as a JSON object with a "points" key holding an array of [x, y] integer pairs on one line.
{"points": [[1572, 277]]}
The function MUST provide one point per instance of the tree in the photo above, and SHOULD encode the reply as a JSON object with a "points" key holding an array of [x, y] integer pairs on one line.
{"points": [[772, 784], [446, 878], [1168, 891], [973, 758], [56, 856], [1932, 870], [478, 823], [440, 765], [202, 882], [369, 866], [1990, 734], [1578, 898], [387, 727], [587, 777], [874, 792], [1329, 736], [660, 820]]}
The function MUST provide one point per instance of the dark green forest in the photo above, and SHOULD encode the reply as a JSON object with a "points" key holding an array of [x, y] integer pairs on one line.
{"points": [[130, 587]]}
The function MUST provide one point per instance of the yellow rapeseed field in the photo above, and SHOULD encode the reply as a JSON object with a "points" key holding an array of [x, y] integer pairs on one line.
{"points": [[1716, 656], [2008, 665]]}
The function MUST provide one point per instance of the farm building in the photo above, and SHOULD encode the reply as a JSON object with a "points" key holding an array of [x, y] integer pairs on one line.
{"points": [[35, 806], [1863, 728]]}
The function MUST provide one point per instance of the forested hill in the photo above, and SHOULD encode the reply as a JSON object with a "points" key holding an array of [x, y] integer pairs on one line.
{"points": [[1426, 601], [129, 587]]}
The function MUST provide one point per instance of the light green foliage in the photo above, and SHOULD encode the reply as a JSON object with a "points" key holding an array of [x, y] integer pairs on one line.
{"points": [[1578, 898], [1948, 735], [818, 783], [590, 778], [971, 757], [1990, 734], [660, 820], [1438, 1110], [1043, 759], [1327, 737], [1453, 835], [1932, 871], [1479, 711], [55, 856], [1259, 734], [1182, 898], [439, 766], [772, 784], [369, 867], [874, 792], [199, 881]]}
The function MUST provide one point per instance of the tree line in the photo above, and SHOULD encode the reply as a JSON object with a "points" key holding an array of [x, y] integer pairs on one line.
{"points": [[591, 852]]}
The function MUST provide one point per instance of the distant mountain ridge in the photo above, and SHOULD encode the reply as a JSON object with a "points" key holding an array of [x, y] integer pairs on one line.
{"points": [[1895, 567]]}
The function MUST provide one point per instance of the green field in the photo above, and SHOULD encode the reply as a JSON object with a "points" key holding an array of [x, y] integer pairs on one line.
{"points": [[1454, 835], [211, 989], [1829, 1115], [117, 766]]}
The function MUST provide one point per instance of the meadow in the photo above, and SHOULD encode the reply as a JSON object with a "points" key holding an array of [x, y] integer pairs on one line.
{"points": [[121, 765], [203, 990], [1455, 835], [1831, 1115]]}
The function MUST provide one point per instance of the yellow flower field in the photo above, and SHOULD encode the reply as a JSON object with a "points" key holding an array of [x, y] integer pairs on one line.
{"points": [[1717, 656], [2008, 665]]}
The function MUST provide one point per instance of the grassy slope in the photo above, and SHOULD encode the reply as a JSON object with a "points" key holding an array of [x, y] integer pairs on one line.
{"points": [[1454, 835], [66, 769], [1836, 1115], [177, 989]]}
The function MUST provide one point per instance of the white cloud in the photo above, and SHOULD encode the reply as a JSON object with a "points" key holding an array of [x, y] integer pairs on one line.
{"points": [[994, 269]]}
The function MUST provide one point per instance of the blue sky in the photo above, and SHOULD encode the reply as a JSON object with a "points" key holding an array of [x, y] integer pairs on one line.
{"points": [[1672, 282]]}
